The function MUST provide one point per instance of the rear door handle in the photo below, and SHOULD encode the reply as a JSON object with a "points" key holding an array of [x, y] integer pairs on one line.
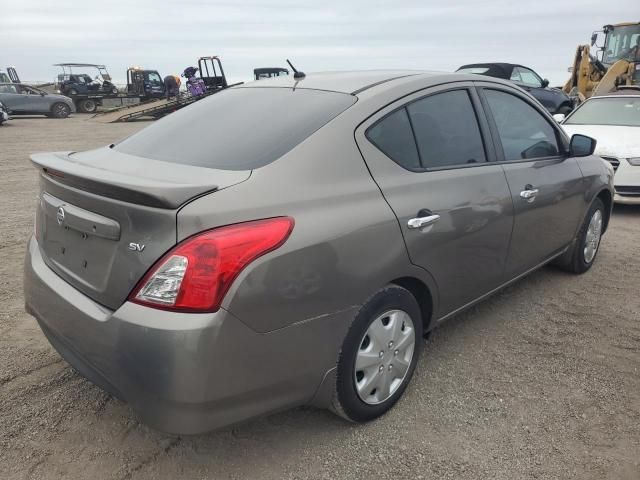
{"points": [[529, 193], [420, 222]]}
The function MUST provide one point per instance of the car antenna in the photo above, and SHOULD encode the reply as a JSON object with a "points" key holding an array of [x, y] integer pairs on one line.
{"points": [[296, 73]]}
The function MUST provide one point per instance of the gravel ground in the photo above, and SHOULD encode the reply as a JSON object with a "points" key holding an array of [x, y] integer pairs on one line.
{"points": [[540, 381]]}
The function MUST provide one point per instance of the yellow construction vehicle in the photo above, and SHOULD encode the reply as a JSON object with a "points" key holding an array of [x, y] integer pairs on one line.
{"points": [[616, 62]]}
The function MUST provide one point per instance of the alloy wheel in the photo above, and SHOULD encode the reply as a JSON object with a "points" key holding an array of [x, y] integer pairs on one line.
{"points": [[592, 238]]}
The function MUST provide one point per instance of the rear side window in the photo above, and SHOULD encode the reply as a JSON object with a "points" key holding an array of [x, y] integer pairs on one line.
{"points": [[393, 136], [524, 132], [446, 130], [238, 129]]}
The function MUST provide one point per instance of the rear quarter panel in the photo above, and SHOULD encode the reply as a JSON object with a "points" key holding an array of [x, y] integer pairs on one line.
{"points": [[346, 243]]}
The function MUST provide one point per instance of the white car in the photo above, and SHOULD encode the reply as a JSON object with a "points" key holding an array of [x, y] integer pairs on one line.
{"points": [[614, 121]]}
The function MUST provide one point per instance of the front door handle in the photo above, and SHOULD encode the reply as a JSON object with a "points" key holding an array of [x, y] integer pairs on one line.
{"points": [[529, 193], [420, 222]]}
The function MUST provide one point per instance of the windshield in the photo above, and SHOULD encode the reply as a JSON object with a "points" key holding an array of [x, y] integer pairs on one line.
{"points": [[153, 78], [622, 43], [238, 129], [607, 111]]}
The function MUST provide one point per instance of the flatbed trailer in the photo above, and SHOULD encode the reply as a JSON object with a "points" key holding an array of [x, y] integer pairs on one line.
{"points": [[151, 109]]}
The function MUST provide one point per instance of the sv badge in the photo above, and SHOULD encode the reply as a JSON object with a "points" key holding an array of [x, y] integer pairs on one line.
{"points": [[136, 247]]}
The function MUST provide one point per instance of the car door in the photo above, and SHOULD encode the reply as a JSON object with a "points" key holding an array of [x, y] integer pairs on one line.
{"points": [[11, 97], [546, 185], [35, 101], [428, 156]]}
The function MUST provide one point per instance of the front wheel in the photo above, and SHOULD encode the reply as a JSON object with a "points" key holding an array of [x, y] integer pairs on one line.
{"points": [[60, 110], [582, 254], [379, 355]]}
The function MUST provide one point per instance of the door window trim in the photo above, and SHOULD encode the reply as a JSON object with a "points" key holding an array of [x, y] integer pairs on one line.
{"points": [[561, 138], [404, 102]]}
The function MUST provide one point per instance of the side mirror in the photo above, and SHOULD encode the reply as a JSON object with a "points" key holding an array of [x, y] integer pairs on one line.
{"points": [[581, 146], [559, 117], [545, 83], [594, 38]]}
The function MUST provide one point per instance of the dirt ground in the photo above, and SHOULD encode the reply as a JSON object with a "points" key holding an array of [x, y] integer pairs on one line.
{"points": [[540, 381]]}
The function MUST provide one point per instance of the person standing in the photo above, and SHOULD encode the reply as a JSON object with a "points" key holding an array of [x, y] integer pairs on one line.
{"points": [[172, 86]]}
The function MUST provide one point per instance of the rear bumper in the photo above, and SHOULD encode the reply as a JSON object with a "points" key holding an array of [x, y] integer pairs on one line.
{"points": [[182, 373]]}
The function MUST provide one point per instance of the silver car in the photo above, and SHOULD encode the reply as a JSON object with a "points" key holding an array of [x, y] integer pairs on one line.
{"points": [[291, 241], [26, 100]]}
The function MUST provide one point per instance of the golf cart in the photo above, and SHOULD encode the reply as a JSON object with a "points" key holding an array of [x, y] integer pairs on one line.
{"points": [[147, 84], [269, 72], [86, 91]]}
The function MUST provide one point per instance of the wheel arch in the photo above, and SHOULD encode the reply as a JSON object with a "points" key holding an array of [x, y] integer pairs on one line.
{"points": [[423, 296]]}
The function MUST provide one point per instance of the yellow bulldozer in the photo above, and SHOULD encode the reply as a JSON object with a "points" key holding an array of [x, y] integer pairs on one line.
{"points": [[616, 62]]}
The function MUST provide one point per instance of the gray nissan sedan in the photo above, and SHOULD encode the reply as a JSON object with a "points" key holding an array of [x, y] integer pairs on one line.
{"points": [[291, 241]]}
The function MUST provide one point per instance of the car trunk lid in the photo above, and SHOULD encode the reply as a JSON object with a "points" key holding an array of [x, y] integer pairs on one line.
{"points": [[104, 217]]}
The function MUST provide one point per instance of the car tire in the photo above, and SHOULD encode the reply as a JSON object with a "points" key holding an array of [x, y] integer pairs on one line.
{"points": [[87, 106], [581, 255], [565, 110], [368, 381], [60, 110]]}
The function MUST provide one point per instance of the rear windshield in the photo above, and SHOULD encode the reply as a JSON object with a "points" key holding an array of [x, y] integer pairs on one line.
{"points": [[238, 129]]}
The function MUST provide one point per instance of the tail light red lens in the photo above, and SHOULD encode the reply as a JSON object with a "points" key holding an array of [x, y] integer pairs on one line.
{"points": [[196, 274]]}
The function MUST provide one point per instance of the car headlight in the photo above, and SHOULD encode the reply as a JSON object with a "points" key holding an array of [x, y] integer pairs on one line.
{"points": [[634, 161]]}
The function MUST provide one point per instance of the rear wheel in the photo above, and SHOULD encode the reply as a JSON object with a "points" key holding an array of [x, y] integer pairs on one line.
{"points": [[379, 355], [87, 106], [582, 254], [60, 110]]}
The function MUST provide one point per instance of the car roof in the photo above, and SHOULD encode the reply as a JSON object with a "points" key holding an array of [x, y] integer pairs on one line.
{"points": [[78, 65], [352, 82], [496, 69]]}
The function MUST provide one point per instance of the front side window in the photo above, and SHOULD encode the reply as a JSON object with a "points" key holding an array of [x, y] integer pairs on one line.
{"points": [[524, 132], [529, 77], [446, 130], [8, 89], [154, 78]]}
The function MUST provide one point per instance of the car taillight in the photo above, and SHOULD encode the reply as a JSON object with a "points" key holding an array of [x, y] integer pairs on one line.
{"points": [[195, 275]]}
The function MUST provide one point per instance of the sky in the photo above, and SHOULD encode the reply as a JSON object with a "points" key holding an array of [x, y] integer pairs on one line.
{"points": [[170, 35]]}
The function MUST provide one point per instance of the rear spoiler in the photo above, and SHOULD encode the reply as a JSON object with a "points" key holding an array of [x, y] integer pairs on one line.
{"points": [[133, 179]]}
